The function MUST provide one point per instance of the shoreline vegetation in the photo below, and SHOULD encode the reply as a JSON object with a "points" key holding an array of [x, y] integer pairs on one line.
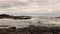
{"points": [[14, 17]]}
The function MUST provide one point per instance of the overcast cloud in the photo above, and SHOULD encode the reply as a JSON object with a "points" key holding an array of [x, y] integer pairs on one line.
{"points": [[30, 7]]}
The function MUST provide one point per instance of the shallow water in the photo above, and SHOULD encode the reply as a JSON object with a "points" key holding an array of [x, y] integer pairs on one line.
{"points": [[47, 22]]}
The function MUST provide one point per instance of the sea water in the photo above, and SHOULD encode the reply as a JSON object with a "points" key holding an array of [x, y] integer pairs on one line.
{"points": [[36, 21]]}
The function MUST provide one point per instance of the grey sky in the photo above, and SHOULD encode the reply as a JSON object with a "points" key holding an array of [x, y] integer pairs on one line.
{"points": [[30, 7]]}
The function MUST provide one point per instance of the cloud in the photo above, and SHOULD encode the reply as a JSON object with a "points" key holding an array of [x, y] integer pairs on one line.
{"points": [[30, 6]]}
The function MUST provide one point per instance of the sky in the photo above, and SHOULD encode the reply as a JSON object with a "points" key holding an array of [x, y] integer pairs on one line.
{"points": [[30, 7]]}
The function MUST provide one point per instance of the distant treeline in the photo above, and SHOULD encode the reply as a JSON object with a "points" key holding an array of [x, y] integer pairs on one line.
{"points": [[14, 17]]}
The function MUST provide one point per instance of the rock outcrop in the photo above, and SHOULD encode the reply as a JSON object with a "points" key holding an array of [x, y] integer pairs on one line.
{"points": [[14, 17]]}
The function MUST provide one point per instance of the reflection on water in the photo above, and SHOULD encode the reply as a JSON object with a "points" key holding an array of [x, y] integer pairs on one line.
{"points": [[37, 21]]}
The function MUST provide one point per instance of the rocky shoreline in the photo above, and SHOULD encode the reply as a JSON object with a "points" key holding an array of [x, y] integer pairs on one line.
{"points": [[31, 30]]}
